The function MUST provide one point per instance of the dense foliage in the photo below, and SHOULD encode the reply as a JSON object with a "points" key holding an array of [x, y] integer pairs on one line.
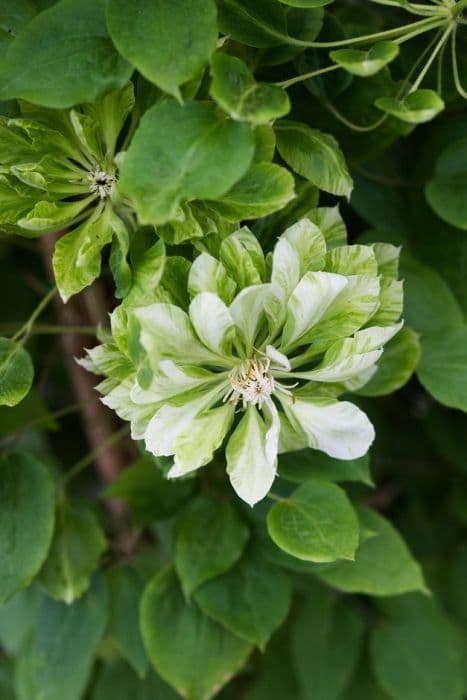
{"points": [[248, 219]]}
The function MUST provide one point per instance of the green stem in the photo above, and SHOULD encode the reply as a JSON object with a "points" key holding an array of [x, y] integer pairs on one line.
{"points": [[423, 24], [455, 67], [407, 37], [351, 125], [305, 76], [25, 330], [89, 459], [61, 413], [48, 329], [428, 64], [414, 67]]}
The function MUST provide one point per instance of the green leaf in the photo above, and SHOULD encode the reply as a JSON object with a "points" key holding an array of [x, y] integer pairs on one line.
{"points": [[397, 364], [443, 366], [264, 23], [315, 156], [116, 681], [192, 653], [77, 255], [126, 587], [14, 14], [149, 495], [183, 152], [79, 65], [17, 618], [16, 372], [186, 37], [64, 643], [26, 520], [326, 641], [445, 191], [77, 544], [421, 283], [418, 107], [251, 600], [416, 652], [210, 538], [304, 465], [264, 189], [234, 88], [316, 523], [306, 3], [369, 62], [383, 565]]}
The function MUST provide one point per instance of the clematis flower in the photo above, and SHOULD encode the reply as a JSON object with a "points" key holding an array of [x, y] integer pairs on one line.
{"points": [[259, 355]]}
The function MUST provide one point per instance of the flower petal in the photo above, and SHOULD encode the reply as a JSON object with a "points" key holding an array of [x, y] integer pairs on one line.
{"points": [[285, 266], [196, 446], [338, 428], [209, 275], [249, 464], [251, 309], [212, 322], [307, 239], [310, 300], [171, 380]]}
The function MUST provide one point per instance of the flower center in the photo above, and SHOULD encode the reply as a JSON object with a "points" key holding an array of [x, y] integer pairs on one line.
{"points": [[251, 382], [101, 182]]}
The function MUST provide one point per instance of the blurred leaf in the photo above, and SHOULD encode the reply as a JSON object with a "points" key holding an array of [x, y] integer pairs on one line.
{"points": [[397, 364], [16, 372], [313, 464], [126, 587], [416, 652], [116, 681], [443, 366], [315, 156], [192, 653], [14, 14], [149, 495], [364, 63], [445, 192], [17, 618], [251, 600], [79, 65], [76, 547], [326, 641], [383, 565], [183, 152], [186, 37], [234, 88], [64, 643], [26, 520], [316, 523], [418, 107], [209, 539]]}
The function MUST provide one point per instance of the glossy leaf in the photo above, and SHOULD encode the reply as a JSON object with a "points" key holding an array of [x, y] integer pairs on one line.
{"points": [[418, 107], [181, 640], [315, 156], [210, 538], [80, 65], [186, 37], [26, 520], [183, 152], [16, 372], [316, 523]]}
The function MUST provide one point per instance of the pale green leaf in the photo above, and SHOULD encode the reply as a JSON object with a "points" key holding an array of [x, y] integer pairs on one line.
{"points": [[315, 156], [369, 62], [418, 107]]}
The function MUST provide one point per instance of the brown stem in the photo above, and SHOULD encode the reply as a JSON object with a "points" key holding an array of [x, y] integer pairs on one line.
{"points": [[89, 308]]}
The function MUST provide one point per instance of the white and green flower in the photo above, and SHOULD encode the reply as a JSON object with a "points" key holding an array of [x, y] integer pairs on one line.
{"points": [[258, 356]]}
